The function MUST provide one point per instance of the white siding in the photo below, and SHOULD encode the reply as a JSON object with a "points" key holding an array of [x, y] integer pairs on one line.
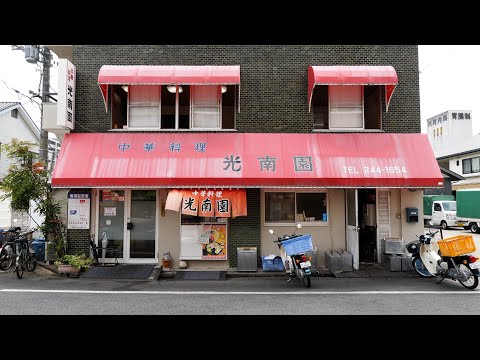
{"points": [[459, 168], [5, 213], [13, 128], [10, 128]]}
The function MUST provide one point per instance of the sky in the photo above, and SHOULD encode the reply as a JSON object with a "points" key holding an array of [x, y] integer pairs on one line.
{"points": [[449, 80]]}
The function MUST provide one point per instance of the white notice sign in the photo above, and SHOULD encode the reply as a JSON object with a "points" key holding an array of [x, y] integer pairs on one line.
{"points": [[78, 211]]}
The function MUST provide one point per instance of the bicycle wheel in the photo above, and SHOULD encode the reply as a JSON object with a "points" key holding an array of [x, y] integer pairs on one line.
{"points": [[19, 271], [31, 262], [6, 258]]}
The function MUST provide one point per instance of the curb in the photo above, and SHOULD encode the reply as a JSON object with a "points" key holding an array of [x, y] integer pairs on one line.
{"points": [[51, 268]]}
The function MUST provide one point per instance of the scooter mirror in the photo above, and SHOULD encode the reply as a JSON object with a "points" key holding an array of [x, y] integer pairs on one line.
{"points": [[270, 232], [299, 226]]}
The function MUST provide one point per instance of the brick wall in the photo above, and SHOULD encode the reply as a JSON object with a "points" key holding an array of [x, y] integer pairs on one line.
{"points": [[273, 80], [245, 230], [78, 240]]}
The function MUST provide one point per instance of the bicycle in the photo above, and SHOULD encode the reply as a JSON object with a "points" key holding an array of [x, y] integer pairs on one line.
{"points": [[7, 253], [25, 258]]}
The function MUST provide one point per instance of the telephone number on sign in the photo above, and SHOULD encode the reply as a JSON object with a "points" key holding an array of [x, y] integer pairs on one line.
{"points": [[376, 170], [385, 169]]}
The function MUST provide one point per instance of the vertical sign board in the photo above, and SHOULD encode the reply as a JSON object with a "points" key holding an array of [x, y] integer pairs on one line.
{"points": [[78, 211], [66, 94]]}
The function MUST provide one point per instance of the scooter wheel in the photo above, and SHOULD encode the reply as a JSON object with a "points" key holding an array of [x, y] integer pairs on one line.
{"points": [[472, 282], [306, 280], [419, 268]]}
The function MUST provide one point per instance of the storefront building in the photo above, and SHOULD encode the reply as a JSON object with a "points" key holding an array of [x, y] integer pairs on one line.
{"points": [[218, 144]]}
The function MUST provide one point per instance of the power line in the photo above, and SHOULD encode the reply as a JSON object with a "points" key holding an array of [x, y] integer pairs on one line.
{"points": [[19, 93]]}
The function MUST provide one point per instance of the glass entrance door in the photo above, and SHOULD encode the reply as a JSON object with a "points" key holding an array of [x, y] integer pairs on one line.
{"points": [[111, 222], [142, 224]]}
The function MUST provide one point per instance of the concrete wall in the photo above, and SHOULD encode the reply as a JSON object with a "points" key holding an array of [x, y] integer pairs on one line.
{"points": [[324, 237], [395, 214], [411, 199]]}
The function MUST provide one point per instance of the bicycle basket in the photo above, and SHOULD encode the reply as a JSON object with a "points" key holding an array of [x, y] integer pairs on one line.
{"points": [[298, 245]]}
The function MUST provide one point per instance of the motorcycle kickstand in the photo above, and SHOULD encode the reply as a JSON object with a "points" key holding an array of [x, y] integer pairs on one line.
{"points": [[443, 277]]}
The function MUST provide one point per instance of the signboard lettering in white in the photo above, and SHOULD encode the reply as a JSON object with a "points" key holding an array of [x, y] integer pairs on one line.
{"points": [[367, 170]]}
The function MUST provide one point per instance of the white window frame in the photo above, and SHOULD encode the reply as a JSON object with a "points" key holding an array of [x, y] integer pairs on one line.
{"points": [[304, 223], [330, 111], [137, 106]]}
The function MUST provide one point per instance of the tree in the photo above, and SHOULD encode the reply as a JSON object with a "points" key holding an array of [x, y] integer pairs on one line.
{"points": [[21, 185]]}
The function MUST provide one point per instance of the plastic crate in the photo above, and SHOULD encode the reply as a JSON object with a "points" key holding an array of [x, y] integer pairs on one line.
{"points": [[457, 245], [298, 245], [272, 264]]}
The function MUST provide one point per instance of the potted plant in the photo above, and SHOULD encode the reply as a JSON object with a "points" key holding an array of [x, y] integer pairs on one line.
{"points": [[73, 263]]}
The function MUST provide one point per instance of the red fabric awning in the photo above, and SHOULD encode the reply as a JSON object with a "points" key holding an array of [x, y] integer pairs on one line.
{"points": [[352, 75], [242, 160], [166, 75]]}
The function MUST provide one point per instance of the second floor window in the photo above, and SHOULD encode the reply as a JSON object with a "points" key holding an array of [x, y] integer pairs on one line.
{"points": [[173, 107], [347, 107], [471, 165]]}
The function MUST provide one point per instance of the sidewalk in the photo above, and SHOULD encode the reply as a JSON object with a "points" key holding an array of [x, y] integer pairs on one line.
{"points": [[365, 271]]}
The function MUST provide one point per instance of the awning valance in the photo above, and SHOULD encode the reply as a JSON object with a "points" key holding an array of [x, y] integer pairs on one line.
{"points": [[166, 75], [241, 160], [352, 75]]}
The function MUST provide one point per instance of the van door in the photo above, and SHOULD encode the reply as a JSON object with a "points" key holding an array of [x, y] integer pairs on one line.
{"points": [[437, 213]]}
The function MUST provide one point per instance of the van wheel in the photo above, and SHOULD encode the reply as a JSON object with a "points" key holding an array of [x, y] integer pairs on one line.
{"points": [[474, 228], [444, 225]]}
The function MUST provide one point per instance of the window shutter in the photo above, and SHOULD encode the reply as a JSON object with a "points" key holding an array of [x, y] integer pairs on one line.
{"points": [[346, 107], [205, 107]]}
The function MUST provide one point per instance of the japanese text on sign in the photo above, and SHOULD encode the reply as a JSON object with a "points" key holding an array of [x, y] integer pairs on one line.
{"points": [[66, 94], [367, 170], [78, 211]]}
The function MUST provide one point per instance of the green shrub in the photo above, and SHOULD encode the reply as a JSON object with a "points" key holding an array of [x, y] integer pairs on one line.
{"points": [[79, 261]]}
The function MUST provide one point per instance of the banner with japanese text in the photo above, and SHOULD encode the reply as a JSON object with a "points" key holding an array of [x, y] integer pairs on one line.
{"points": [[190, 202], [208, 203]]}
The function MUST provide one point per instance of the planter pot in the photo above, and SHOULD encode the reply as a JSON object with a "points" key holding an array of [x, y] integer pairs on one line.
{"points": [[166, 264], [68, 269]]}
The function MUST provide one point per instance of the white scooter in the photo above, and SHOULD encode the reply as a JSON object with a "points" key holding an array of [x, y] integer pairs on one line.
{"points": [[297, 265], [427, 262]]}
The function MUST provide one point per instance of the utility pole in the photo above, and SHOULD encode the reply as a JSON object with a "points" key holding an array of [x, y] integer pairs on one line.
{"points": [[43, 151], [32, 53]]}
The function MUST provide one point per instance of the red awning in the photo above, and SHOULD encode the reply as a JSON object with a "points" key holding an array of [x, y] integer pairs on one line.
{"points": [[242, 160], [166, 75], [352, 75]]}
